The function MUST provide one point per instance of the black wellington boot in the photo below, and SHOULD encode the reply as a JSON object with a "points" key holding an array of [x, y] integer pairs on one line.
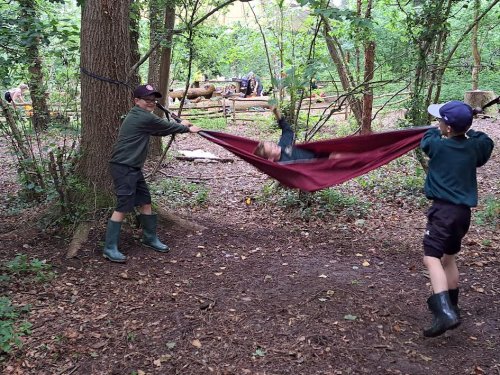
{"points": [[111, 251], [149, 237], [445, 317], [454, 303]]}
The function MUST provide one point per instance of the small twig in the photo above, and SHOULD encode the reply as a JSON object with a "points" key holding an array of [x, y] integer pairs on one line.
{"points": [[198, 295], [206, 306], [73, 369], [380, 346], [133, 309], [157, 166], [205, 178], [316, 295]]}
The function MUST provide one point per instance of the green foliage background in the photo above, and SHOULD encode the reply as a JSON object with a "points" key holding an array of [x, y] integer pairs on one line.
{"points": [[233, 50]]}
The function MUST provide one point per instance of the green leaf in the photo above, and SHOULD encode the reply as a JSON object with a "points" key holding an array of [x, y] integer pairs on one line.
{"points": [[259, 352], [171, 345], [350, 317]]}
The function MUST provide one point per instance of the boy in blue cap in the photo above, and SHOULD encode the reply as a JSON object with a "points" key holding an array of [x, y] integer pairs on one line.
{"points": [[455, 151]]}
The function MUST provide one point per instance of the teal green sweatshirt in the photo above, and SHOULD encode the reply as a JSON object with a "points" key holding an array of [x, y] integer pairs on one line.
{"points": [[131, 147], [452, 165]]}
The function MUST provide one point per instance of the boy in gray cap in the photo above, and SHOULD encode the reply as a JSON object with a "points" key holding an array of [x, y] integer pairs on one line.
{"points": [[455, 151]]}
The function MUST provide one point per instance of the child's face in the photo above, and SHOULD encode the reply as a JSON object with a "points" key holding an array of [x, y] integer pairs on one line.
{"points": [[147, 103], [272, 151]]}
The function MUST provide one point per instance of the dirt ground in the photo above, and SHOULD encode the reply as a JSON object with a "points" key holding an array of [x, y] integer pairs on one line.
{"points": [[261, 290]]}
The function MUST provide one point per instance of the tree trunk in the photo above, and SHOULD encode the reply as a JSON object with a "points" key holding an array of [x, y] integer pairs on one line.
{"points": [[478, 98], [41, 117], [106, 51], [343, 71], [166, 55], [475, 49], [427, 47], [366, 124], [165, 60], [156, 21], [156, 32]]}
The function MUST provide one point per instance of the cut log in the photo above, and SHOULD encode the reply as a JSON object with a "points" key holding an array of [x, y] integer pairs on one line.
{"points": [[206, 91], [478, 98], [239, 104], [79, 237], [203, 104], [246, 103]]}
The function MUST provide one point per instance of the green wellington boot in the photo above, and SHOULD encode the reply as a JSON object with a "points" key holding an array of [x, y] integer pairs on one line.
{"points": [[445, 317], [149, 237], [111, 251]]}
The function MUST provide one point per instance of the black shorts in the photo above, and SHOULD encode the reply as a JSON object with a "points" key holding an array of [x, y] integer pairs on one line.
{"points": [[130, 187], [447, 224], [8, 97]]}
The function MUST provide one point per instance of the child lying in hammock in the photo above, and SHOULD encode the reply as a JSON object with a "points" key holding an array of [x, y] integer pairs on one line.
{"points": [[284, 150]]}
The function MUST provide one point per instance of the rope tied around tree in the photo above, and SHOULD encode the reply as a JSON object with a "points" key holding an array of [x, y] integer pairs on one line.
{"points": [[104, 79]]}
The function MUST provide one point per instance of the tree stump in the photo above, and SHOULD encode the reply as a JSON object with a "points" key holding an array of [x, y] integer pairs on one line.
{"points": [[478, 98]]}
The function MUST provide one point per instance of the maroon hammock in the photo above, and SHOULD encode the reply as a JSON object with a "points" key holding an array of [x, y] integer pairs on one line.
{"points": [[364, 153]]}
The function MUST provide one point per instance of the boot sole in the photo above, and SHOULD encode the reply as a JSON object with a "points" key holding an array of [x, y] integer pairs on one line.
{"points": [[440, 332], [114, 260], [455, 325], [156, 249]]}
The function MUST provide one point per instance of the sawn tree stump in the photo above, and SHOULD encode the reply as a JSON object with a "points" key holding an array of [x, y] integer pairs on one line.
{"points": [[478, 98]]}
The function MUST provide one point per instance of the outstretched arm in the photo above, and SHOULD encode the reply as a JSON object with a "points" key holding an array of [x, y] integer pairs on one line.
{"points": [[17, 98], [287, 134]]}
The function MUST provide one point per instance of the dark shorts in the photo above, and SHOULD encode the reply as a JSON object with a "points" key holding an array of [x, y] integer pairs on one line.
{"points": [[447, 224], [130, 187], [8, 97]]}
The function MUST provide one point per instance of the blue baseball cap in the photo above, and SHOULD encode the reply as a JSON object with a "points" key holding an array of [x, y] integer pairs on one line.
{"points": [[146, 90], [456, 114]]}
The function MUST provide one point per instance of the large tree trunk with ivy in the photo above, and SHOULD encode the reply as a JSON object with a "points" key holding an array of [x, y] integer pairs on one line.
{"points": [[107, 52], [429, 43], [41, 116]]}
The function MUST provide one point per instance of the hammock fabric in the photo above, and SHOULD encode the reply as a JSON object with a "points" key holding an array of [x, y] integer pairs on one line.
{"points": [[357, 155]]}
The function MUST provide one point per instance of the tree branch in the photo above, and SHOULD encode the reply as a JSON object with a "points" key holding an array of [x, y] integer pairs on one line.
{"points": [[471, 26], [175, 32], [265, 42]]}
